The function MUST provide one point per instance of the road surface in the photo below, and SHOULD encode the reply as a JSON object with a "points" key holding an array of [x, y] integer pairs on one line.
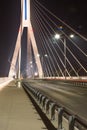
{"points": [[74, 98]]}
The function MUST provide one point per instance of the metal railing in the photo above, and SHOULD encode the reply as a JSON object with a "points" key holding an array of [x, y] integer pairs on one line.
{"points": [[78, 82], [60, 117]]}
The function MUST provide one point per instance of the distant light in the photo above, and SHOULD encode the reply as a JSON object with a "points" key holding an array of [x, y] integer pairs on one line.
{"points": [[60, 28], [46, 55], [57, 36], [35, 73], [38, 55], [30, 62], [72, 35]]}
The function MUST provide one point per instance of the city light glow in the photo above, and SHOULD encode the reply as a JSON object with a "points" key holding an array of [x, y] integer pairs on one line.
{"points": [[72, 35]]}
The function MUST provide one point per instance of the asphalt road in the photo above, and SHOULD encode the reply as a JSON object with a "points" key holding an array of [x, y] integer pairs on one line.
{"points": [[74, 98]]}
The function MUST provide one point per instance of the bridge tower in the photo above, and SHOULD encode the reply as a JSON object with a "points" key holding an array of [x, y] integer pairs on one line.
{"points": [[25, 22]]}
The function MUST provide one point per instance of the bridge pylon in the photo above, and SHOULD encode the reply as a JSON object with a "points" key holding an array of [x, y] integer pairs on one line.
{"points": [[25, 22]]}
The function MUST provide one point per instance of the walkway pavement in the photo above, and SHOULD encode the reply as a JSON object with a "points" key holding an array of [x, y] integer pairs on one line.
{"points": [[17, 111]]}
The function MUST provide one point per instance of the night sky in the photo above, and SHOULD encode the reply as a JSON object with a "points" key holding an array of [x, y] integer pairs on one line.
{"points": [[73, 12]]}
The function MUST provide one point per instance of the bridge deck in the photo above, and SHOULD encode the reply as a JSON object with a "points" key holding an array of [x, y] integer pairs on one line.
{"points": [[17, 111]]}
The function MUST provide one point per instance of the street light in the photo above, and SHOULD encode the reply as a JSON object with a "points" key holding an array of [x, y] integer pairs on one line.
{"points": [[71, 35], [58, 36]]}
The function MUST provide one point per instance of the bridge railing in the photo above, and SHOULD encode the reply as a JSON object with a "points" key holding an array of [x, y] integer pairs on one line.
{"points": [[73, 81], [60, 117]]}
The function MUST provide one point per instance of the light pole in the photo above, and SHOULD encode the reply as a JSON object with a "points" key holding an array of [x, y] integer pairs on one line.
{"points": [[42, 61], [19, 69], [58, 36], [65, 55], [71, 36]]}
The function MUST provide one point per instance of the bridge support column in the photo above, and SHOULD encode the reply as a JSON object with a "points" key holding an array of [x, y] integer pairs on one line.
{"points": [[26, 22]]}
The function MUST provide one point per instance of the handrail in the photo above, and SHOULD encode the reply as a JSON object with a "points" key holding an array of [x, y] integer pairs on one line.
{"points": [[74, 82], [46, 103]]}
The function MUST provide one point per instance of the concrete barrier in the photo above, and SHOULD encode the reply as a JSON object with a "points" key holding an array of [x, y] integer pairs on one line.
{"points": [[4, 81]]}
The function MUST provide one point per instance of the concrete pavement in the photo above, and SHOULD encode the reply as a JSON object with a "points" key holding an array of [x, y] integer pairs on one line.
{"points": [[17, 111]]}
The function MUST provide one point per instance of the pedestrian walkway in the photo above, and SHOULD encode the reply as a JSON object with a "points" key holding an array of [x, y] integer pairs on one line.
{"points": [[17, 111]]}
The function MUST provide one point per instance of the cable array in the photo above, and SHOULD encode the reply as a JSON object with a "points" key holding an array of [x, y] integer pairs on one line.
{"points": [[63, 57]]}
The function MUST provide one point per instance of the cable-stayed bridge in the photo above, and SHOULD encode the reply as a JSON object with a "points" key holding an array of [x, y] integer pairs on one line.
{"points": [[48, 48], [61, 51]]}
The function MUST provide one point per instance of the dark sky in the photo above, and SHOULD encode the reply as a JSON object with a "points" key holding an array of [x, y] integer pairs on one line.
{"points": [[73, 12], [9, 23]]}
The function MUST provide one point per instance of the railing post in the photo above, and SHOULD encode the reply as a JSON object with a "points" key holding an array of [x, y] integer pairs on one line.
{"points": [[40, 98], [43, 102], [71, 122], [53, 111], [37, 94], [47, 106], [60, 113]]}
